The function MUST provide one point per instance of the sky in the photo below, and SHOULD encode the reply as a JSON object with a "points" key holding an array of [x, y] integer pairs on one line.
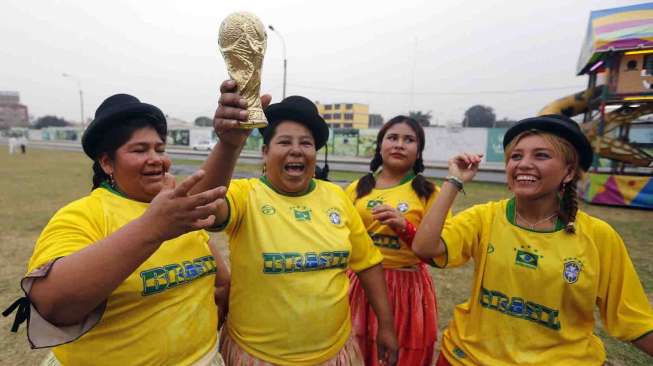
{"points": [[396, 56]]}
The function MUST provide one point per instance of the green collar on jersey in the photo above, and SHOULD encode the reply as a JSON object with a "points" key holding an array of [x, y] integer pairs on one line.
{"points": [[407, 178], [510, 215], [111, 189], [311, 188]]}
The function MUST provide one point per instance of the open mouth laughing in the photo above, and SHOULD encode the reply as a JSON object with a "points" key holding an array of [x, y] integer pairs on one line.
{"points": [[154, 174], [294, 169], [526, 179]]}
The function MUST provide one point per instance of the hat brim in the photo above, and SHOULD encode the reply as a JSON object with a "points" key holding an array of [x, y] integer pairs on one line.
{"points": [[559, 128], [98, 127], [280, 112]]}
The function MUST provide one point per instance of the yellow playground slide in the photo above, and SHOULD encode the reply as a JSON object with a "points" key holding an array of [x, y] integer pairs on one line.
{"points": [[608, 146]]}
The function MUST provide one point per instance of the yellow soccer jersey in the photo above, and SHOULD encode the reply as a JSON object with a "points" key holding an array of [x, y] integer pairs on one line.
{"points": [[289, 255], [535, 293], [396, 253], [162, 314]]}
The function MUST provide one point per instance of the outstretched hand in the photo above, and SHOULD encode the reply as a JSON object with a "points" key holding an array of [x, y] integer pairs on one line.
{"points": [[232, 108], [174, 212], [465, 166]]}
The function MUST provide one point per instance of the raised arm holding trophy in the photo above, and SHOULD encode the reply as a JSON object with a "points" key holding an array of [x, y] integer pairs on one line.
{"points": [[291, 237], [243, 42]]}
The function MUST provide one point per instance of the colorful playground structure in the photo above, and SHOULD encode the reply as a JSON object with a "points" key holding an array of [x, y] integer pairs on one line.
{"points": [[617, 55]]}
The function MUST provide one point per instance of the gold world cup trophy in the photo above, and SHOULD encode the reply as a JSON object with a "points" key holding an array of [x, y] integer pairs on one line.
{"points": [[242, 43]]}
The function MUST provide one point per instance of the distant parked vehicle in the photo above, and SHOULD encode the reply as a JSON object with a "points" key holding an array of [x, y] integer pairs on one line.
{"points": [[204, 145]]}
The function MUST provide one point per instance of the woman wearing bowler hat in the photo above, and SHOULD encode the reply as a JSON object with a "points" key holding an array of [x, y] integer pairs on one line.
{"points": [[542, 266], [292, 239], [124, 276]]}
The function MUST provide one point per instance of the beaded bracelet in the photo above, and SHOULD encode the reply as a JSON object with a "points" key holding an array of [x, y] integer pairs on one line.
{"points": [[408, 233], [457, 182]]}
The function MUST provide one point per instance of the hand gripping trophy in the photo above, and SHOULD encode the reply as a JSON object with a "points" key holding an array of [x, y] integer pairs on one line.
{"points": [[242, 42]]}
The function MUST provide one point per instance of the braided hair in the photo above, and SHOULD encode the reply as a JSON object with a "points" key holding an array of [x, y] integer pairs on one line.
{"points": [[568, 191], [422, 186], [569, 205]]}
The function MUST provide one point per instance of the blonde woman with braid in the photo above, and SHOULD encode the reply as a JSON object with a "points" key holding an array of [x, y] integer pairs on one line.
{"points": [[542, 267], [392, 203]]}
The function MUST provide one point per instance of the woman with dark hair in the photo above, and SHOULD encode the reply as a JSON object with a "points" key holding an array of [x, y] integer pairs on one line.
{"points": [[391, 203], [291, 239], [542, 267], [125, 276]]}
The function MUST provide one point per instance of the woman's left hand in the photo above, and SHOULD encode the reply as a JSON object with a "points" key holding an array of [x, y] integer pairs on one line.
{"points": [[387, 345], [465, 166], [388, 215]]}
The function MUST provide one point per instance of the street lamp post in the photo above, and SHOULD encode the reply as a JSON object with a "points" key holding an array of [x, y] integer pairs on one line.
{"points": [[285, 61], [81, 95]]}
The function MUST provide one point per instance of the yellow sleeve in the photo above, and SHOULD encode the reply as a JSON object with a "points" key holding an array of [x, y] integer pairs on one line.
{"points": [[71, 229], [364, 254], [461, 235], [237, 201], [625, 310]]}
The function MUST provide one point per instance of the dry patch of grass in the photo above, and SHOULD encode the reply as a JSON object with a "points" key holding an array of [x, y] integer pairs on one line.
{"points": [[34, 186]]}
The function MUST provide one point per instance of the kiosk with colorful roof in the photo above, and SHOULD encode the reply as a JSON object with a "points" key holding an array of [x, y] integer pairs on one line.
{"points": [[617, 56]]}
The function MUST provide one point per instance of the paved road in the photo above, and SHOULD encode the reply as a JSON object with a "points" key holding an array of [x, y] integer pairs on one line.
{"points": [[488, 172]]}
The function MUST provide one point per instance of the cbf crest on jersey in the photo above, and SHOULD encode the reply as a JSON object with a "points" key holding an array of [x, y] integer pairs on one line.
{"points": [[335, 216], [301, 213], [402, 207], [268, 209], [373, 203], [571, 270]]}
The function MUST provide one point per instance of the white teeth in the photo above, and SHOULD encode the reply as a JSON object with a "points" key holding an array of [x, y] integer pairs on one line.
{"points": [[527, 178]]}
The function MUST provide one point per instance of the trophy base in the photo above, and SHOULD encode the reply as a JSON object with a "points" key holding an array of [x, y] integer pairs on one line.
{"points": [[256, 119]]}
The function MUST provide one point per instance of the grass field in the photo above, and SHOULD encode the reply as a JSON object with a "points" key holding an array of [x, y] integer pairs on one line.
{"points": [[35, 185]]}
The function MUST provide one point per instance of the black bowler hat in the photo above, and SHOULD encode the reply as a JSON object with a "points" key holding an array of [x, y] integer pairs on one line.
{"points": [[115, 109], [559, 125], [298, 109]]}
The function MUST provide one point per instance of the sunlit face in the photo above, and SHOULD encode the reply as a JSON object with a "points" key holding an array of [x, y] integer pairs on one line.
{"points": [[290, 157], [535, 170], [399, 148], [139, 165]]}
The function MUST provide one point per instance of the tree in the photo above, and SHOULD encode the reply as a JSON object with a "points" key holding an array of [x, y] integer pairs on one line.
{"points": [[479, 116], [50, 121], [424, 119], [203, 122], [505, 122]]}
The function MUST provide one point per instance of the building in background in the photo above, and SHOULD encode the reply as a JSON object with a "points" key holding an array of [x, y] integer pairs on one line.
{"points": [[376, 120], [12, 113], [345, 115]]}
